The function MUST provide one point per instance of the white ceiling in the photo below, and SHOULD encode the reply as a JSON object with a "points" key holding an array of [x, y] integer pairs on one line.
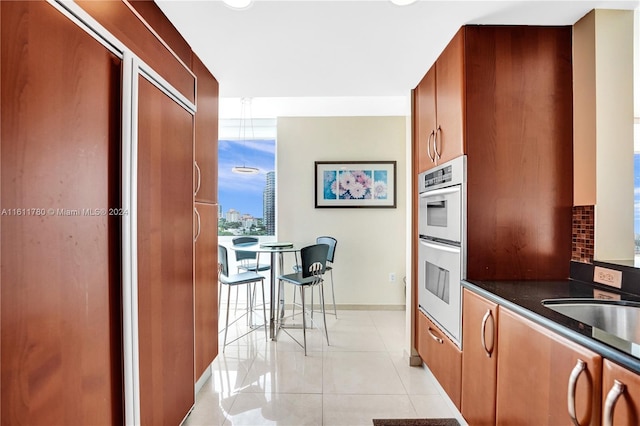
{"points": [[331, 48]]}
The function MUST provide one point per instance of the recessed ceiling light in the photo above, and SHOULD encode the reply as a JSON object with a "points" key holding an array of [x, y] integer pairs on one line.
{"points": [[238, 4]]}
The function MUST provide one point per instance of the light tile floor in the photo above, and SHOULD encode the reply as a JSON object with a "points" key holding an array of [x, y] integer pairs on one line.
{"points": [[363, 374]]}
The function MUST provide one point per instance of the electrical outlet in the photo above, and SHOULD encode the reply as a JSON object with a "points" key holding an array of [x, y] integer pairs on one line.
{"points": [[606, 276], [392, 277]]}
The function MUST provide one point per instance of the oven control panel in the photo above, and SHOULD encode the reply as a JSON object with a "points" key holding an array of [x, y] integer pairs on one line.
{"points": [[443, 175], [447, 174]]}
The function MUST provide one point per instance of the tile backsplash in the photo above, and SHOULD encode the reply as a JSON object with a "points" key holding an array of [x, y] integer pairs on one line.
{"points": [[582, 234]]}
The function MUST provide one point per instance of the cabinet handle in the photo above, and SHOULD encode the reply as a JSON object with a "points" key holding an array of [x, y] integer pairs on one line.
{"points": [[431, 135], [195, 163], [433, 336], [571, 390], [610, 403], [483, 329], [435, 144], [195, 210]]}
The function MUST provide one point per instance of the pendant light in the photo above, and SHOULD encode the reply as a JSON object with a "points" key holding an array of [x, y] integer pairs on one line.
{"points": [[242, 136]]}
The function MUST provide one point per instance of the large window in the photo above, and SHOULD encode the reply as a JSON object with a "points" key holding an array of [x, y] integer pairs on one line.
{"points": [[246, 200]]}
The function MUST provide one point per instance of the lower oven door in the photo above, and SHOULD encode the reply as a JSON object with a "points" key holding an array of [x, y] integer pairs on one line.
{"points": [[439, 285]]}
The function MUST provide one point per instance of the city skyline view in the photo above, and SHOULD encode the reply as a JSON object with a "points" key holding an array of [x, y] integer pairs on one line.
{"points": [[244, 193]]}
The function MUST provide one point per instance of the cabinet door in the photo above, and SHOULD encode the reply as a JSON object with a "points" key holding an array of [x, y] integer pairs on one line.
{"points": [[206, 134], [625, 410], [60, 308], [479, 359], [425, 120], [450, 108], [443, 358], [206, 285], [534, 374], [165, 257]]}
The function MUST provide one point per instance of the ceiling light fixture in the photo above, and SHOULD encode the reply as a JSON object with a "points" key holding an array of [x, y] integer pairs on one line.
{"points": [[238, 4], [402, 2], [242, 136]]}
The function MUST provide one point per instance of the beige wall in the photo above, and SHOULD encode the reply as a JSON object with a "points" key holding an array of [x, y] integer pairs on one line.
{"points": [[603, 128], [371, 241]]}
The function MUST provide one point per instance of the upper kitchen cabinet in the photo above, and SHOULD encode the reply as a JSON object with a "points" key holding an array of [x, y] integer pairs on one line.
{"points": [[439, 108], [206, 136]]}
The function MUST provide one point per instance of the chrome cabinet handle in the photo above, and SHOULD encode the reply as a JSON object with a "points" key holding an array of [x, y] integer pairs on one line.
{"points": [[195, 163], [432, 134], [434, 337], [435, 144], [483, 329], [195, 210], [571, 390], [610, 403]]}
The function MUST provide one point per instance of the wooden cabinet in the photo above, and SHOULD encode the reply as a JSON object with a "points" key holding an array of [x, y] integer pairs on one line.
{"points": [[479, 359], [206, 135], [439, 108], [425, 121], [206, 207], [503, 96], [622, 388], [70, 327], [206, 286], [441, 355], [60, 265], [542, 375], [519, 148], [165, 257]]}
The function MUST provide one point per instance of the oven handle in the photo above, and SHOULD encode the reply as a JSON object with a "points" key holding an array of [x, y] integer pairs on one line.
{"points": [[442, 191], [441, 247]]}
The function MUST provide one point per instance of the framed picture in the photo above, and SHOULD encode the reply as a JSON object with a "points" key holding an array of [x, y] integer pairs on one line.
{"points": [[355, 184]]}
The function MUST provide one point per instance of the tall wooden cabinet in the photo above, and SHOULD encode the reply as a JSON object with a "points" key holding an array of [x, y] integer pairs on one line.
{"points": [[60, 285], [98, 317], [206, 210], [165, 257], [519, 142]]}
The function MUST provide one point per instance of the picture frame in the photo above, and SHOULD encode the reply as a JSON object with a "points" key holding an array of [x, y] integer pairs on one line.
{"points": [[355, 184]]}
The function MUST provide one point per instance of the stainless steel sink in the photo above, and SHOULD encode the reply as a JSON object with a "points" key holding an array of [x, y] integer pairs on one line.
{"points": [[619, 318]]}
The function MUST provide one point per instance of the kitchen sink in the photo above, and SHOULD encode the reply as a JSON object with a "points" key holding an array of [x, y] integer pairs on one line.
{"points": [[619, 318]]}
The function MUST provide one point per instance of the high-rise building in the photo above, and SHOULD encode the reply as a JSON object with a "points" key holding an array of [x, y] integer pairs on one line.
{"points": [[233, 215], [269, 204]]}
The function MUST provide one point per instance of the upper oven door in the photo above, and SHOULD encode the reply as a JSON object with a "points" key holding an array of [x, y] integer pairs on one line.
{"points": [[440, 214]]}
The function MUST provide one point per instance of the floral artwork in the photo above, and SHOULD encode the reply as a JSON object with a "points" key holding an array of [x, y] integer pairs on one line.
{"points": [[354, 185]]}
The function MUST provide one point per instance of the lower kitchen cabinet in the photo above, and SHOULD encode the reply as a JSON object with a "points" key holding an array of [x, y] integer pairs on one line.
{"points": [[621, 388], [479, 359], [442, 356], [543, 377]]}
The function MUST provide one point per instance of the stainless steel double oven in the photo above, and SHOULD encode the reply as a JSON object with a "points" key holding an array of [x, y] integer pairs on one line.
{"points": [[441, 244]]}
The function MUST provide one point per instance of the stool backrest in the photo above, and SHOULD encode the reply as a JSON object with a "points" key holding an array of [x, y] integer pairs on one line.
{"points": [[314, 259], [331, 242], [223, 260], [242, 255]]}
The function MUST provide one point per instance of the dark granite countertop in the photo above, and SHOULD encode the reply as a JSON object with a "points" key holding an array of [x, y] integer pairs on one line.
{"points": [[525, 297]]}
